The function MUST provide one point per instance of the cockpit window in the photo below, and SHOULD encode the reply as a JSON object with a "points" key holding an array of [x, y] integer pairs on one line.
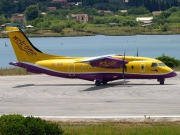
{"points": [[161, 64], [154, 65]]}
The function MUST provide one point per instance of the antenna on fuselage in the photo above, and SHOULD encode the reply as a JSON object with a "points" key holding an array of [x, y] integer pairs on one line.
{"points": [[6, 45], [137, 52]]}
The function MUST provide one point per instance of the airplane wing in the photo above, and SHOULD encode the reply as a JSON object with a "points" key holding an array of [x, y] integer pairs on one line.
{"points": [[105, 61]]}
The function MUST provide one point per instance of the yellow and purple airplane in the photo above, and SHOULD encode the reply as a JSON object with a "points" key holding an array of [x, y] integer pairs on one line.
{"points": [[100, 69]]}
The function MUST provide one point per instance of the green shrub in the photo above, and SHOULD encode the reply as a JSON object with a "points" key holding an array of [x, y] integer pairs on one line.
{"points": [[131, 23], [58, 27], [165, 27], [19, 125], [78, 26]]}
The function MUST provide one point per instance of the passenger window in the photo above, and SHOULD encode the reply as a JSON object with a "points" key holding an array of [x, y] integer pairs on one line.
{"points": [[132, 67], [154, 65]]}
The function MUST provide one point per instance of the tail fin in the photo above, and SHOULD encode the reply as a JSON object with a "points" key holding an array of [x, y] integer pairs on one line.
{"points": [[23, 48]]}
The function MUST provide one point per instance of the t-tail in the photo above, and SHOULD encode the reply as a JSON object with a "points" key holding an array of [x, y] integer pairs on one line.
{"points": [[23, 48]]}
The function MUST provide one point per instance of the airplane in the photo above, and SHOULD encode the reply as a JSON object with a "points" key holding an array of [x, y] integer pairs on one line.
{"points": [[100, 69]]}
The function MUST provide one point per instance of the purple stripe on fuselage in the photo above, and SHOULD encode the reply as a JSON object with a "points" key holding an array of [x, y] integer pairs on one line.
{"points": [[90, 76]]}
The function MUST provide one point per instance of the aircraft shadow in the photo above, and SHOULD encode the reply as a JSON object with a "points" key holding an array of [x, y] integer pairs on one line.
{"points": [[112, 84], [29, 85]]}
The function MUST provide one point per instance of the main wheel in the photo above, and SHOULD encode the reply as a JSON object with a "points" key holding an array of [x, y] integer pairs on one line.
{"points": [[97, 83], [161, 82], [104, 82]]}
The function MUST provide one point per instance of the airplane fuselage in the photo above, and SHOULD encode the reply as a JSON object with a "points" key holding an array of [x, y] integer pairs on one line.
{"points": [[136, 68]]}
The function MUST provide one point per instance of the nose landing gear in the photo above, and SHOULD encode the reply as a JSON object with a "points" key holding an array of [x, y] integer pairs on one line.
{"points": [[161, 81]]}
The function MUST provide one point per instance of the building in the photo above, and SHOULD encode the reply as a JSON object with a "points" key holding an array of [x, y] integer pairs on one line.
{"points": [[72, 3], [156, 12], [144, 19], [105, 11], [83, 18], [21, 26], [123, 11], [79, 4], [18, 18], [52, 8]]}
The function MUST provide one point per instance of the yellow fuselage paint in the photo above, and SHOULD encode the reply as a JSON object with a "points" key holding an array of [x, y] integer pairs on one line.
{"points": [[136, 65]]}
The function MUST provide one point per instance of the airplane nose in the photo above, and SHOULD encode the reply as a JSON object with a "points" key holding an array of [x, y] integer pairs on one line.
{"points": [[173, 74]]}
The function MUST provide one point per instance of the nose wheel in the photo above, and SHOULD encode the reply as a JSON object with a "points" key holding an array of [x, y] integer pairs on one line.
{"points": [[161, 82]]}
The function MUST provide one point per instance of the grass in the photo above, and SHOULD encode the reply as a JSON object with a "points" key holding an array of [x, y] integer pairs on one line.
{"points": [[121, 128], [13, 71], [177, 69], [91, 30]]}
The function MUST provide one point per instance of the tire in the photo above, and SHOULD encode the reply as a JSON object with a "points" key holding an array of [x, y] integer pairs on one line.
{"points": [[161, 82], [97, 83], [104, 82]]}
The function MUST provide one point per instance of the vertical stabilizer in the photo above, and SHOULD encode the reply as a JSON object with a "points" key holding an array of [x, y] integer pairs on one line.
{"points": [[23, 48]]}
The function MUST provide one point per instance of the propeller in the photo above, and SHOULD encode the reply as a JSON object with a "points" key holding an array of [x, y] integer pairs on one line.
{"points": [[124, 66]]}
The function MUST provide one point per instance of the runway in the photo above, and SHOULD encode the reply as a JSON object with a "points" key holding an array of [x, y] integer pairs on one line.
{"points": [[42, 95]]}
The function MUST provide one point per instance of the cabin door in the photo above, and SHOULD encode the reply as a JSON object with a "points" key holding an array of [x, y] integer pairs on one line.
{"points": [[71, 69], [142, 67]]}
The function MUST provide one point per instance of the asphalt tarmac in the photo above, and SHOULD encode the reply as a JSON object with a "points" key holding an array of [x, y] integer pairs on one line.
{"points": [[42, 95]]}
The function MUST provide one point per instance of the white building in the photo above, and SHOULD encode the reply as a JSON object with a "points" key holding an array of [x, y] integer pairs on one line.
{"points": [[145, 20]]}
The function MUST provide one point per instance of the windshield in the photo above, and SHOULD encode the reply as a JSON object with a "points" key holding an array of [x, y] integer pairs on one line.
{"points": [[161, 64]]}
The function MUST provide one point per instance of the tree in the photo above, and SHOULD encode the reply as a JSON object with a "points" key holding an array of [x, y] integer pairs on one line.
{"points": [[31, 12], [138, 11], [92, 2], [173, 9], [165, 14], [1, 8], [3, 19]]}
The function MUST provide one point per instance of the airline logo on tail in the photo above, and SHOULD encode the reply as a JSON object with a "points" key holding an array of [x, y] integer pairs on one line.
{"points": [[22, 45]]}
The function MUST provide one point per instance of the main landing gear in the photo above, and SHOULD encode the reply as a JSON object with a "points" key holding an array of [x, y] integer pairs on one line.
{"points": [[98, 83]]}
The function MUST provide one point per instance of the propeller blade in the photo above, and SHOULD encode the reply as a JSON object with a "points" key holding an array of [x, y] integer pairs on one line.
{"points": [[123, 64]]}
